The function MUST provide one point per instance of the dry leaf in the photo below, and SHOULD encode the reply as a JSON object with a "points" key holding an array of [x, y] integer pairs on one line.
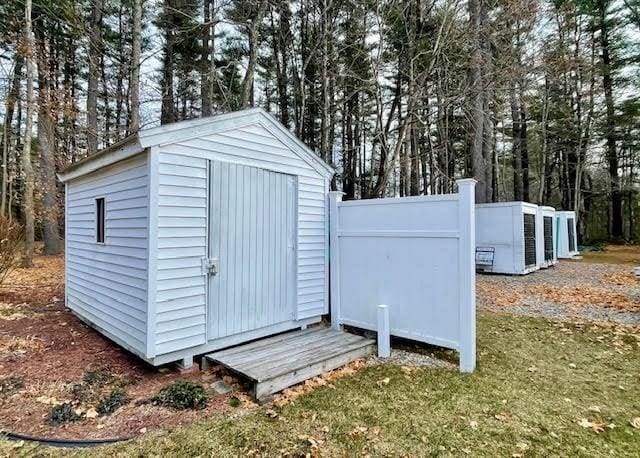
{"points": [[635, 422], [597, 427], [594, 409], [501, 416], [473, 424], [384, 381], [91, 413], [271, 413], [533, 369]]}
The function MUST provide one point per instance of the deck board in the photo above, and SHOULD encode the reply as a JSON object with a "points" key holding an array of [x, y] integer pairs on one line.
{"points": [[275, 363]]}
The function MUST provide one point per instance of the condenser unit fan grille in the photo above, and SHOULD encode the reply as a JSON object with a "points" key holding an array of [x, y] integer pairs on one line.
{"points": [[529, 240], [572, 234], [548, 238]]}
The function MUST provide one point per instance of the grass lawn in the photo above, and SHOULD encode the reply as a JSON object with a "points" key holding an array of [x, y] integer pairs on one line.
{"points": [[541, 388]]}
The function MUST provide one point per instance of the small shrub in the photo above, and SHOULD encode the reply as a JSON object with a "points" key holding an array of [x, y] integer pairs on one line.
{"points": [[63, 413], [182, 395], [112, 402], [234, 402], [98, 377], [11, 242]]}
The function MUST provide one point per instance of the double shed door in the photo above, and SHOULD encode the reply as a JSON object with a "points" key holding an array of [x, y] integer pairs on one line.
{"points": [[252, 246]]}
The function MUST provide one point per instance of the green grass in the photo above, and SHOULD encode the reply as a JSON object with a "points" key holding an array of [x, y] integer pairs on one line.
{"points": [[535, 380]]}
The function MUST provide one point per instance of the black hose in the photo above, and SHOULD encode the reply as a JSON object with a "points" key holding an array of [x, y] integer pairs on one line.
{"points": [[68, 443]]}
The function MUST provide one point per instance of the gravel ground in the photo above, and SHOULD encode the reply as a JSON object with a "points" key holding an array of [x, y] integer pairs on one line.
{"points": [[409, 358], [566, 274]]}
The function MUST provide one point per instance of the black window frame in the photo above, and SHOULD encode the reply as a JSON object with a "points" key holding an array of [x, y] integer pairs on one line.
{"points": [[100, 219]]}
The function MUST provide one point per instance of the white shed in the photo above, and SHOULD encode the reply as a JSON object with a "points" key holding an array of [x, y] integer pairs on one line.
{"points": [[198, 235], [546, 237], [506, 237], [567, 239]]}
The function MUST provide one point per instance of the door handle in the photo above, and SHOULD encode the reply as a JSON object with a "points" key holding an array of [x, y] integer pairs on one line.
{"points": [[210, 265]]}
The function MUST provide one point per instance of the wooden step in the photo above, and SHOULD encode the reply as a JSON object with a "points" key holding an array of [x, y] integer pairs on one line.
{"points": [[278, 362]]}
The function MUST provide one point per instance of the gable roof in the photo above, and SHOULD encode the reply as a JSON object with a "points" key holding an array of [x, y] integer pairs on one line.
{"points": [[194, 128]]}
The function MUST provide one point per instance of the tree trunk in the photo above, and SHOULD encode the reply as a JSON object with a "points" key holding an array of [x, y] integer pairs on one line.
{"points": [[206, 94], [168, 105], [616, 229], [476, 114], [246, 99], [10, 103], [46, 138], [283, 41], [27, 168], [136, 51], [94, 51], [516, 151]]}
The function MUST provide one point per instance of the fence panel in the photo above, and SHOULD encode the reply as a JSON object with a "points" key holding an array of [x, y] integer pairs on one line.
{"points": [[414, 254]]}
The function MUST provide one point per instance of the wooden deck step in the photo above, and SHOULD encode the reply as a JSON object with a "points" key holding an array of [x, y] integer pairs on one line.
{"points": [[278, 362]]}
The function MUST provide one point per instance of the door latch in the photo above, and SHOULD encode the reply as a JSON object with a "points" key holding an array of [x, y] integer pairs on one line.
{"points": [[210, 265]]}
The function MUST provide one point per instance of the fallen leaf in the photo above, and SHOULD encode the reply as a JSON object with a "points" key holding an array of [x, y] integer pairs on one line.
{"points": [[597, 427], [635, 422], [473, 424], [384, 381], [358, 431], [271, 413], [532, 369], [91, 413], [594, 409]]}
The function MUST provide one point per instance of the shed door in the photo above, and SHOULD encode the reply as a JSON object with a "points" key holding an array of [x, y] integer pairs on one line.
{"points": [[252, 236]]}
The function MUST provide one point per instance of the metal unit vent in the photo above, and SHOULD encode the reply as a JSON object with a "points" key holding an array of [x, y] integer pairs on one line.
{"points": [[529, 240], [548, 238], [572, 234]]}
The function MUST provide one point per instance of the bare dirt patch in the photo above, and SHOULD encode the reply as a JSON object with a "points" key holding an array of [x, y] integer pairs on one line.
{"points": [[48, 358]]}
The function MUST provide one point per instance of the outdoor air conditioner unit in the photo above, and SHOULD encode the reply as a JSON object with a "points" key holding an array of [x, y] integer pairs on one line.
{"points": [[546, 235], [567, 239], [506, 238]]}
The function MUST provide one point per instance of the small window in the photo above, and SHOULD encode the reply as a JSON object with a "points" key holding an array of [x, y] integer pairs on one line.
{"points": [[100, 220]]}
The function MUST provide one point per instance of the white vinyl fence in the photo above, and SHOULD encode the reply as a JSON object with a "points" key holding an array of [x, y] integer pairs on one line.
{"points": [[416, 255]]}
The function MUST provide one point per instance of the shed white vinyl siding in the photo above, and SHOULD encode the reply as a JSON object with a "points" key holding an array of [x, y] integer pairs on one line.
{"points": [[107, 282], [253, 145], [181, 245]]}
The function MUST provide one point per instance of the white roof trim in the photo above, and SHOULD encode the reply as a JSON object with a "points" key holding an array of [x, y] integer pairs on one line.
{"points": [[101, 159], [185, 130]]}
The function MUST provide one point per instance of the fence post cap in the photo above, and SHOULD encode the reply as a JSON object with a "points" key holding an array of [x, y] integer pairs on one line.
{"points": [[466, 181]]}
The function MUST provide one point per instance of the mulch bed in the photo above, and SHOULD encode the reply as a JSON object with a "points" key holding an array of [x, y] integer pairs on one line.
{"points": [[45, 350]]}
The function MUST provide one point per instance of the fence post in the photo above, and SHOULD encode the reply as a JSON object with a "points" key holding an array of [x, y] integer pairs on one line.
{"points": [[467, 273], [384, 333], [335, 197]]}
